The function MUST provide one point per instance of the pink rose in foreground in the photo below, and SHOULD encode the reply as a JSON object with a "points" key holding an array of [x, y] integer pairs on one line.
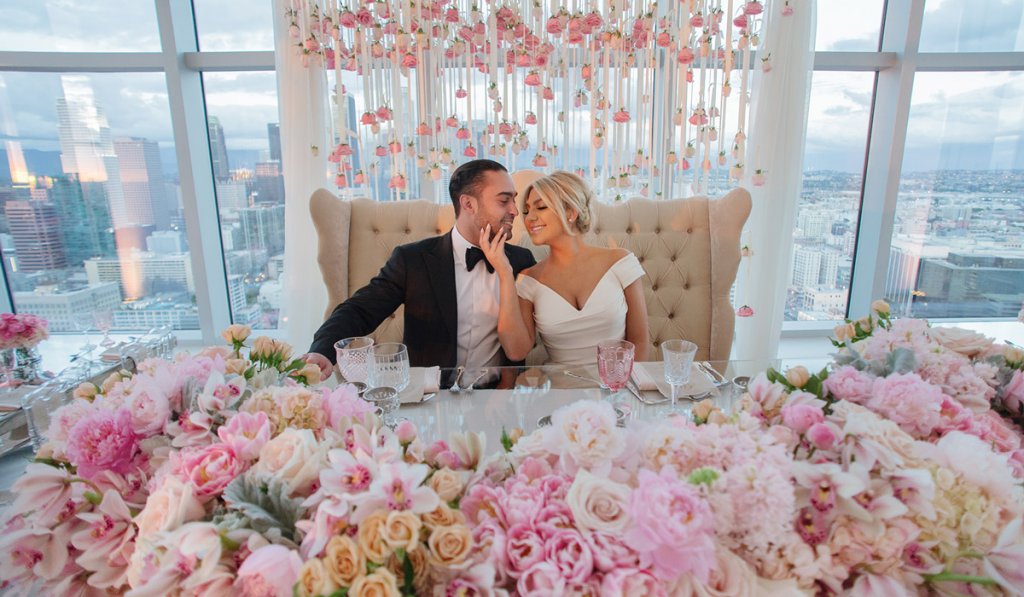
{"points": [[173, 504], [270, 571], [245, 434], [909, 401], [344, 401], [847, 383], [800, 417], [524, 548], [672, 526], [570, 553], [823, 435], [103, 440], [1013, 393], [598, 504], [631, 582], [209, 469], [542, 578], [609, 552]]}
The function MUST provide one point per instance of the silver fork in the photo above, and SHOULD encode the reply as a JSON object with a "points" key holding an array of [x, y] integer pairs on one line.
{"points": [[455, 389], [716, 378]]}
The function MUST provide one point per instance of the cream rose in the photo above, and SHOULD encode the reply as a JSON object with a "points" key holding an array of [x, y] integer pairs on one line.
{"points": [[443, 516], [1013, 354], [86, 391], [343, 560], [704, 408], [881, 307], [371, 537], [965, 342], [402, 530], [314, 580], [381, 583], [798, 376], [236, 333], [169, 507], [598, 504], [447, 483], [844, 332], [450, 546], [293, 456], [235, 366]]}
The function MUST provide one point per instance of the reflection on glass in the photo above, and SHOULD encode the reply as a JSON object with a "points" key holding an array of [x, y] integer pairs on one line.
{"points": [[844, 26], [826, 225], [977, 26], [78, 26], [222, 26], [245, 143], [91, 219], [956, 246]]}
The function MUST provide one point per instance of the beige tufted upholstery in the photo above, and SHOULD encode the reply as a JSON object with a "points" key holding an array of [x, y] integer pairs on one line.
{"points": [[690, 249]]}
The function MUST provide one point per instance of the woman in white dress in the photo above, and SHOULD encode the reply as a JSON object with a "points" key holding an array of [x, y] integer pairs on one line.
{"points": [[576, 297]]}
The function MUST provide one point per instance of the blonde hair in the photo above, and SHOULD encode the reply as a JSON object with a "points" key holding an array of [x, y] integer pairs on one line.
{"points": [[562, 191]]}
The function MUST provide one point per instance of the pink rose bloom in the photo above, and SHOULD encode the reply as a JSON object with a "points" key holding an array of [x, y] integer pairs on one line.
{"points": [[245, 434], [823, 435], [847, 383], [270, 571], [209, 469], [150, 409], [344, 401], [543, 578], [1013, 393], [103, 440], [524, 548], [631, 582], [672, 526], [992, 428], [909, 401], [609, 552], [800, 417], [570, 553]]}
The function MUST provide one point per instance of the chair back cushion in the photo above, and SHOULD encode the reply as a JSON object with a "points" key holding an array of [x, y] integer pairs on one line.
{"points": [[690, 249]]}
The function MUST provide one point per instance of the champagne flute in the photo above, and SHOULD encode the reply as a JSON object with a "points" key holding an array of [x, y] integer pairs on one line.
{"points": [[677, 356]]}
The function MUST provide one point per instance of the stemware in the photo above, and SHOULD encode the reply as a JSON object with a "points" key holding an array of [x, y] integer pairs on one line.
{"points": [[353, 355], [389, 375], [615, 364], [104, 320], [677, 356]]}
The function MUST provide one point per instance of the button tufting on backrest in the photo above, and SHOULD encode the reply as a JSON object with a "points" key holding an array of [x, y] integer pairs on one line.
{"points": [[408, 230], [689, 230], [686, 286], [671, 315]]}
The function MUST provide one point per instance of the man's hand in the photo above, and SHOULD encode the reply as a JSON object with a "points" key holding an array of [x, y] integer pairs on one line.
{"points": [[315, 358], [494, 251]]}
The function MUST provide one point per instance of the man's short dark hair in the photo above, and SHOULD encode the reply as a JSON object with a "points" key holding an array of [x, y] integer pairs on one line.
{"points": [[467, 178]]}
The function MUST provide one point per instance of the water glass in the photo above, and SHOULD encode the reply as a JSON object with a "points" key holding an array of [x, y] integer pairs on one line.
{"points": [[353, 358], [677, 356], [385, 401], [40, 404], [389, 366]]}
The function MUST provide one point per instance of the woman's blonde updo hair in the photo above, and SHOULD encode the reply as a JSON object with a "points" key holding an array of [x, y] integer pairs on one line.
{"points": [[564, 192]]}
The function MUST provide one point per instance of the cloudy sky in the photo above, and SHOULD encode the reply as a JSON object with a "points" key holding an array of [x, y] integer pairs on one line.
{"points": [[958, 120]]}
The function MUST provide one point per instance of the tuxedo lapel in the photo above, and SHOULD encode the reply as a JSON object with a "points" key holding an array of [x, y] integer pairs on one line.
{"points": [[440, 265]]}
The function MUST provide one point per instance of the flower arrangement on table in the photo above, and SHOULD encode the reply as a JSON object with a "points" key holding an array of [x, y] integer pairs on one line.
{"points": [[23, 330], [224, 474]]}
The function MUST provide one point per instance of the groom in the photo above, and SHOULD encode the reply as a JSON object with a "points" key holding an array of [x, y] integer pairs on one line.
{"points": [[449, 290]]}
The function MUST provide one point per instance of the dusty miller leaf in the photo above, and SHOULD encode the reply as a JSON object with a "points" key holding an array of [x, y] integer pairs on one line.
{"points": [[265, 502]]}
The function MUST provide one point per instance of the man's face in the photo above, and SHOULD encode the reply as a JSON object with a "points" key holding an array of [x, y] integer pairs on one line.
{"points": [[495, 203]]}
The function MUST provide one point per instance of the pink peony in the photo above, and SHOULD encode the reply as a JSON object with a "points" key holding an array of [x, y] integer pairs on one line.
{"points": [[103, 440], [909, 401], [823, 435], [631, 582], [209, 469], [245, 434], [570, 554], [524, 548], [270, 571], [543, 578], [800, 417], [847, 383], [609, 552], [344, 401], [672, 526]]}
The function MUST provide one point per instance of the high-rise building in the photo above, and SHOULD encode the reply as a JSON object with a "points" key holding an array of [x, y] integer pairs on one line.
{"points": [[829, 269], [35, 227], [218, 150], [263, 228], [232, 195], [901, 282], [141, 273], [274, 136], [84, 221], [268, 183], [142, 182], [166, 242], [63, 308], [806, 266]]}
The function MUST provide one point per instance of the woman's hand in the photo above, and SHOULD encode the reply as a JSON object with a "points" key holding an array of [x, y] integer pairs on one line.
{"points": [[494, 251]]}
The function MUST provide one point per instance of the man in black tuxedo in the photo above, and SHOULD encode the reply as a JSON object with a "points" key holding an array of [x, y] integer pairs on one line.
{"points": [[449, 290]]}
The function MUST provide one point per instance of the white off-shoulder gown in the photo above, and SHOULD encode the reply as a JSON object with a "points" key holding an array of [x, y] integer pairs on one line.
{"points": [[570, 335]]}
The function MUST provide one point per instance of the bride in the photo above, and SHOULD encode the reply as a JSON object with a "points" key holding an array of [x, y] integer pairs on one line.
{"points": [[576, 297]]}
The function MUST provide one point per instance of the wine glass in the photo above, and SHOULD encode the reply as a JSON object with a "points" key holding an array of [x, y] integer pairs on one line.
{"points": [[389, 375], [104, 320], [615, 364], [353, 355], [677, 356]]}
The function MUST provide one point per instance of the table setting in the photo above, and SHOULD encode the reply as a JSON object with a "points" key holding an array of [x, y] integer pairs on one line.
{"points": [[237, 470]]}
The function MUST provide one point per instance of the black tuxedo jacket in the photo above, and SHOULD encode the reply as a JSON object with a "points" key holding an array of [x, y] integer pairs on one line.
{"points": [[420, 275]]}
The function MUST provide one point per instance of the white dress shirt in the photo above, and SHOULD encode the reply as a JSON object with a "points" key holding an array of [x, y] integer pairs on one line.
{"points": [[477, 293]]}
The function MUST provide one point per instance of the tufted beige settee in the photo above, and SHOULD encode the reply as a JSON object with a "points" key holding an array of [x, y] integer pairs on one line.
{"points": [[690, 249]]}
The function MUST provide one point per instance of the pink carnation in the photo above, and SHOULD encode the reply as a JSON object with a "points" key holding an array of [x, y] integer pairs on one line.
{"points": [[672, 526], [103, 440], [909, 401], [847, 383]]}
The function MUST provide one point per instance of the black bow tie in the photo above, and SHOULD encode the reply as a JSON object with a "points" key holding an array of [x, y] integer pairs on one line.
{"points": [[473, 256]]}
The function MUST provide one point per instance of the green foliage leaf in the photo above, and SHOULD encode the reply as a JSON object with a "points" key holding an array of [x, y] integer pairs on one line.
{"points": [[408, 575], [506, 441], [900, 360], [265, 502]]}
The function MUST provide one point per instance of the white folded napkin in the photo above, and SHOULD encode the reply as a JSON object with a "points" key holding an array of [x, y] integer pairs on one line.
{"points": [[422, 381], [650, 376]]}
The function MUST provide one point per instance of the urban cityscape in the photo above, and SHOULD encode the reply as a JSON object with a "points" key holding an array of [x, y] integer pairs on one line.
{"points": [[97, 227]]}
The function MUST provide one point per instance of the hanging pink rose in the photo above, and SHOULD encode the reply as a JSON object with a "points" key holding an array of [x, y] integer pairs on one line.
{"points": [[532, 79], [347, 19], [593, 19], [497, 105], [504, 128], [311, 44], [586, 71], [671, 158], [697, 21], [757, 178], [368, 118], [423, 129], [409, 60], [713, 133], [753, 8], [340, 181], [469, 152], [621, 116], [698, 117], [395, 147], [548, 94], [344, 149], [531, 118], [364, 18], [787, 10], [685, 56], [597, 141], [766, 65], [461, 93], [451, 16], [664, 39], [740, 21], [381, 151], [384, 113], [435, 173], [575, 37], [689, 75], [293, 31], [721, 158], [685, 164], [377, 50], [397, 182], [540, 161], [334, 158], [452, 122], [540, 60], [360, 178], [554, 26], [745, 311], [465, 33]]}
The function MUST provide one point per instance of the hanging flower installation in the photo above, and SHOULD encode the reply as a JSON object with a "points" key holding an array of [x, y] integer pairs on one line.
{"points": [[555, 84]]}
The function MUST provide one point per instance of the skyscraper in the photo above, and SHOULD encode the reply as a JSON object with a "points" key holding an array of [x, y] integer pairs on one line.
{"points": [[268, 184], [218, 150], [84, 226], [142, 182], [274, 136], [263, 228], [35, 228]]}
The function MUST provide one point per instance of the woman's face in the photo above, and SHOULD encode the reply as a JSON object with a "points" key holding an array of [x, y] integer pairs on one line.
{"points": [[542, 222]]}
